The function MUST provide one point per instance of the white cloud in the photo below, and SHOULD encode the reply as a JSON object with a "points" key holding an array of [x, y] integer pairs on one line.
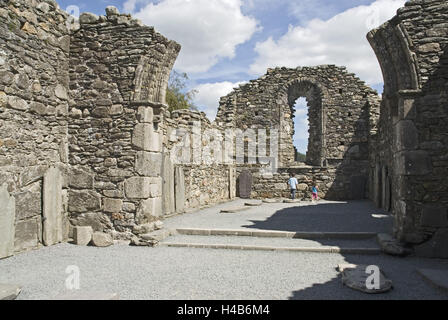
{"points": [[207, 98], [208, 30], [340, 40]]}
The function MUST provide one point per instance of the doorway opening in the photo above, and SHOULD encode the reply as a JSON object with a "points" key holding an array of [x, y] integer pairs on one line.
{"points": [[301, 129]]}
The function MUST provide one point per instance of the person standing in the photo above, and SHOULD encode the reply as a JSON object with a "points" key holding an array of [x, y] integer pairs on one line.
{"points": [[315, 192], [293, 185]]}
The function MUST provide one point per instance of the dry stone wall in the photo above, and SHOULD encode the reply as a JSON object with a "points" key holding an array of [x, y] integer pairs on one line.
{"points": [[34, 93], [409, 165]]}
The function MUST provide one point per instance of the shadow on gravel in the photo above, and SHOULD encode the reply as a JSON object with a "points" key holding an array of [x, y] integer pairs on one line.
{"points": [[353, 216]]}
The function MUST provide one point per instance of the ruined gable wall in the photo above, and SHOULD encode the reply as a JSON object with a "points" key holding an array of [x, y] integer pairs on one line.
{"points": [[342, 114], [119, 71], [412, 50], [34, 59]]}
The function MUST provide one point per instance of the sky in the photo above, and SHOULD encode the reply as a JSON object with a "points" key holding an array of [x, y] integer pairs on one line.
{"points": [[226, 43]]}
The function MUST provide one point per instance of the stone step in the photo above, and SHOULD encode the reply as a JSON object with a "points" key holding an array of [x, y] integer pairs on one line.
{"points": [[323, 249], [253, 204], [9, 291], [235, 209], [276, 234]]}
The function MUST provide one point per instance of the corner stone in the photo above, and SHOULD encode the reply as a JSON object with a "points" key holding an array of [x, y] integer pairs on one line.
{"points": [[82, 235]]}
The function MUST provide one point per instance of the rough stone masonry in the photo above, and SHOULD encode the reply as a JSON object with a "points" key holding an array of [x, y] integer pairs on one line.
{"points": [[86, 139]]}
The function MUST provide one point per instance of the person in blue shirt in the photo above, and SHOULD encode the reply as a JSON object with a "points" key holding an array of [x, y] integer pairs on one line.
{"points": [[293, 185], [315, 191]]}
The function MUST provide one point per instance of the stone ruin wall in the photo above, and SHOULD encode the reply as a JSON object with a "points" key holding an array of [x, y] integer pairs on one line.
{"points": [[85, 137], [342, 115], [410, 163], [34, 94]]}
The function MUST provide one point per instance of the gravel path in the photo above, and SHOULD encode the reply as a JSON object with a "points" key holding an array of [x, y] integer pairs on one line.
{"points": [[188, 273], [332, 216], [180, 273]]}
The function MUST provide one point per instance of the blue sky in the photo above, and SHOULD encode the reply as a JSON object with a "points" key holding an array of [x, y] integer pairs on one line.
{"points": [[228, 42]]}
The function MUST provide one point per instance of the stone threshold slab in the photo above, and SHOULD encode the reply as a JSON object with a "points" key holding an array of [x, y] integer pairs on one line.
{"points": [[9, 291], [235, 210], [277, 234], [437, 278], [369, 251], [86, 296]]}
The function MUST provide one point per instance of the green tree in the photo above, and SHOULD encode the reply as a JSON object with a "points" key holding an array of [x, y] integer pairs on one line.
{"points": [[176, 97]]}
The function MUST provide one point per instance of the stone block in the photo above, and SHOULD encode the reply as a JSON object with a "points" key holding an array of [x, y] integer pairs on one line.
{"points": [[27, 234], [148, 164], [100, 239], [301, 187], [355, 277], [413, 163], [83, 201], [88, 18], [436, 247], [151, 208], [28, 204], [80, 179], [434, 216], [9, 291], [61, 92], [169, 205], [17, 103], [406, 135], [82, 235], [7, 221], [145, 114], [112, 11], [145, 138], [179, 187], [112, 205], [53, 210], [138, 187]]}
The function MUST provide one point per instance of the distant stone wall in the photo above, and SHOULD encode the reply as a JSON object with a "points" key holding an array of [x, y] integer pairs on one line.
{"points": [[343, 113], [410, 163], [34, 93], [208, 178]]}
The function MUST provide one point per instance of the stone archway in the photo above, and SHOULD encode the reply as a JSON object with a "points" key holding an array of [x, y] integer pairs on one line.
{"points": [[314, 94]]}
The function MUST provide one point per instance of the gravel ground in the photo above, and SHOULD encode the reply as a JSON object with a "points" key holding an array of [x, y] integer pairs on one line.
{"points": [[274, 242], [332, 216], [188, 273], [181, 273]]}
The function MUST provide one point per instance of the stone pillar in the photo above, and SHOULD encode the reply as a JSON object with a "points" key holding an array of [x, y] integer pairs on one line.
{"points": [[7, 220], [232, 182], [147, 186], [168, 186], [53, 211], [179, 184]]}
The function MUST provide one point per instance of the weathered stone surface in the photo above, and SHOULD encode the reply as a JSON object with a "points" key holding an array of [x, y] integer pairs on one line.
{"points": [[391, 246], [61, 92], [80, 179], [152, 208], [112, 205], [82, 235], [27, 234], [88, 18], [245, 184], [145, 138], [52, 203], [7, 220], [156, 236], [434, 216], [145, 114], [17, 104], [112, 11], [138, 187], [28, 204], [9, 291], [148, 164], [75, 295], [355, 277], [168, 186], [179, 186], [84, 201], [100, 239], [436, 247]]}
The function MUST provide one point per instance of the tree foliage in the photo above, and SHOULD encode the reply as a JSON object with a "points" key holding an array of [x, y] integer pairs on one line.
{"points": [[176, 97]]}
